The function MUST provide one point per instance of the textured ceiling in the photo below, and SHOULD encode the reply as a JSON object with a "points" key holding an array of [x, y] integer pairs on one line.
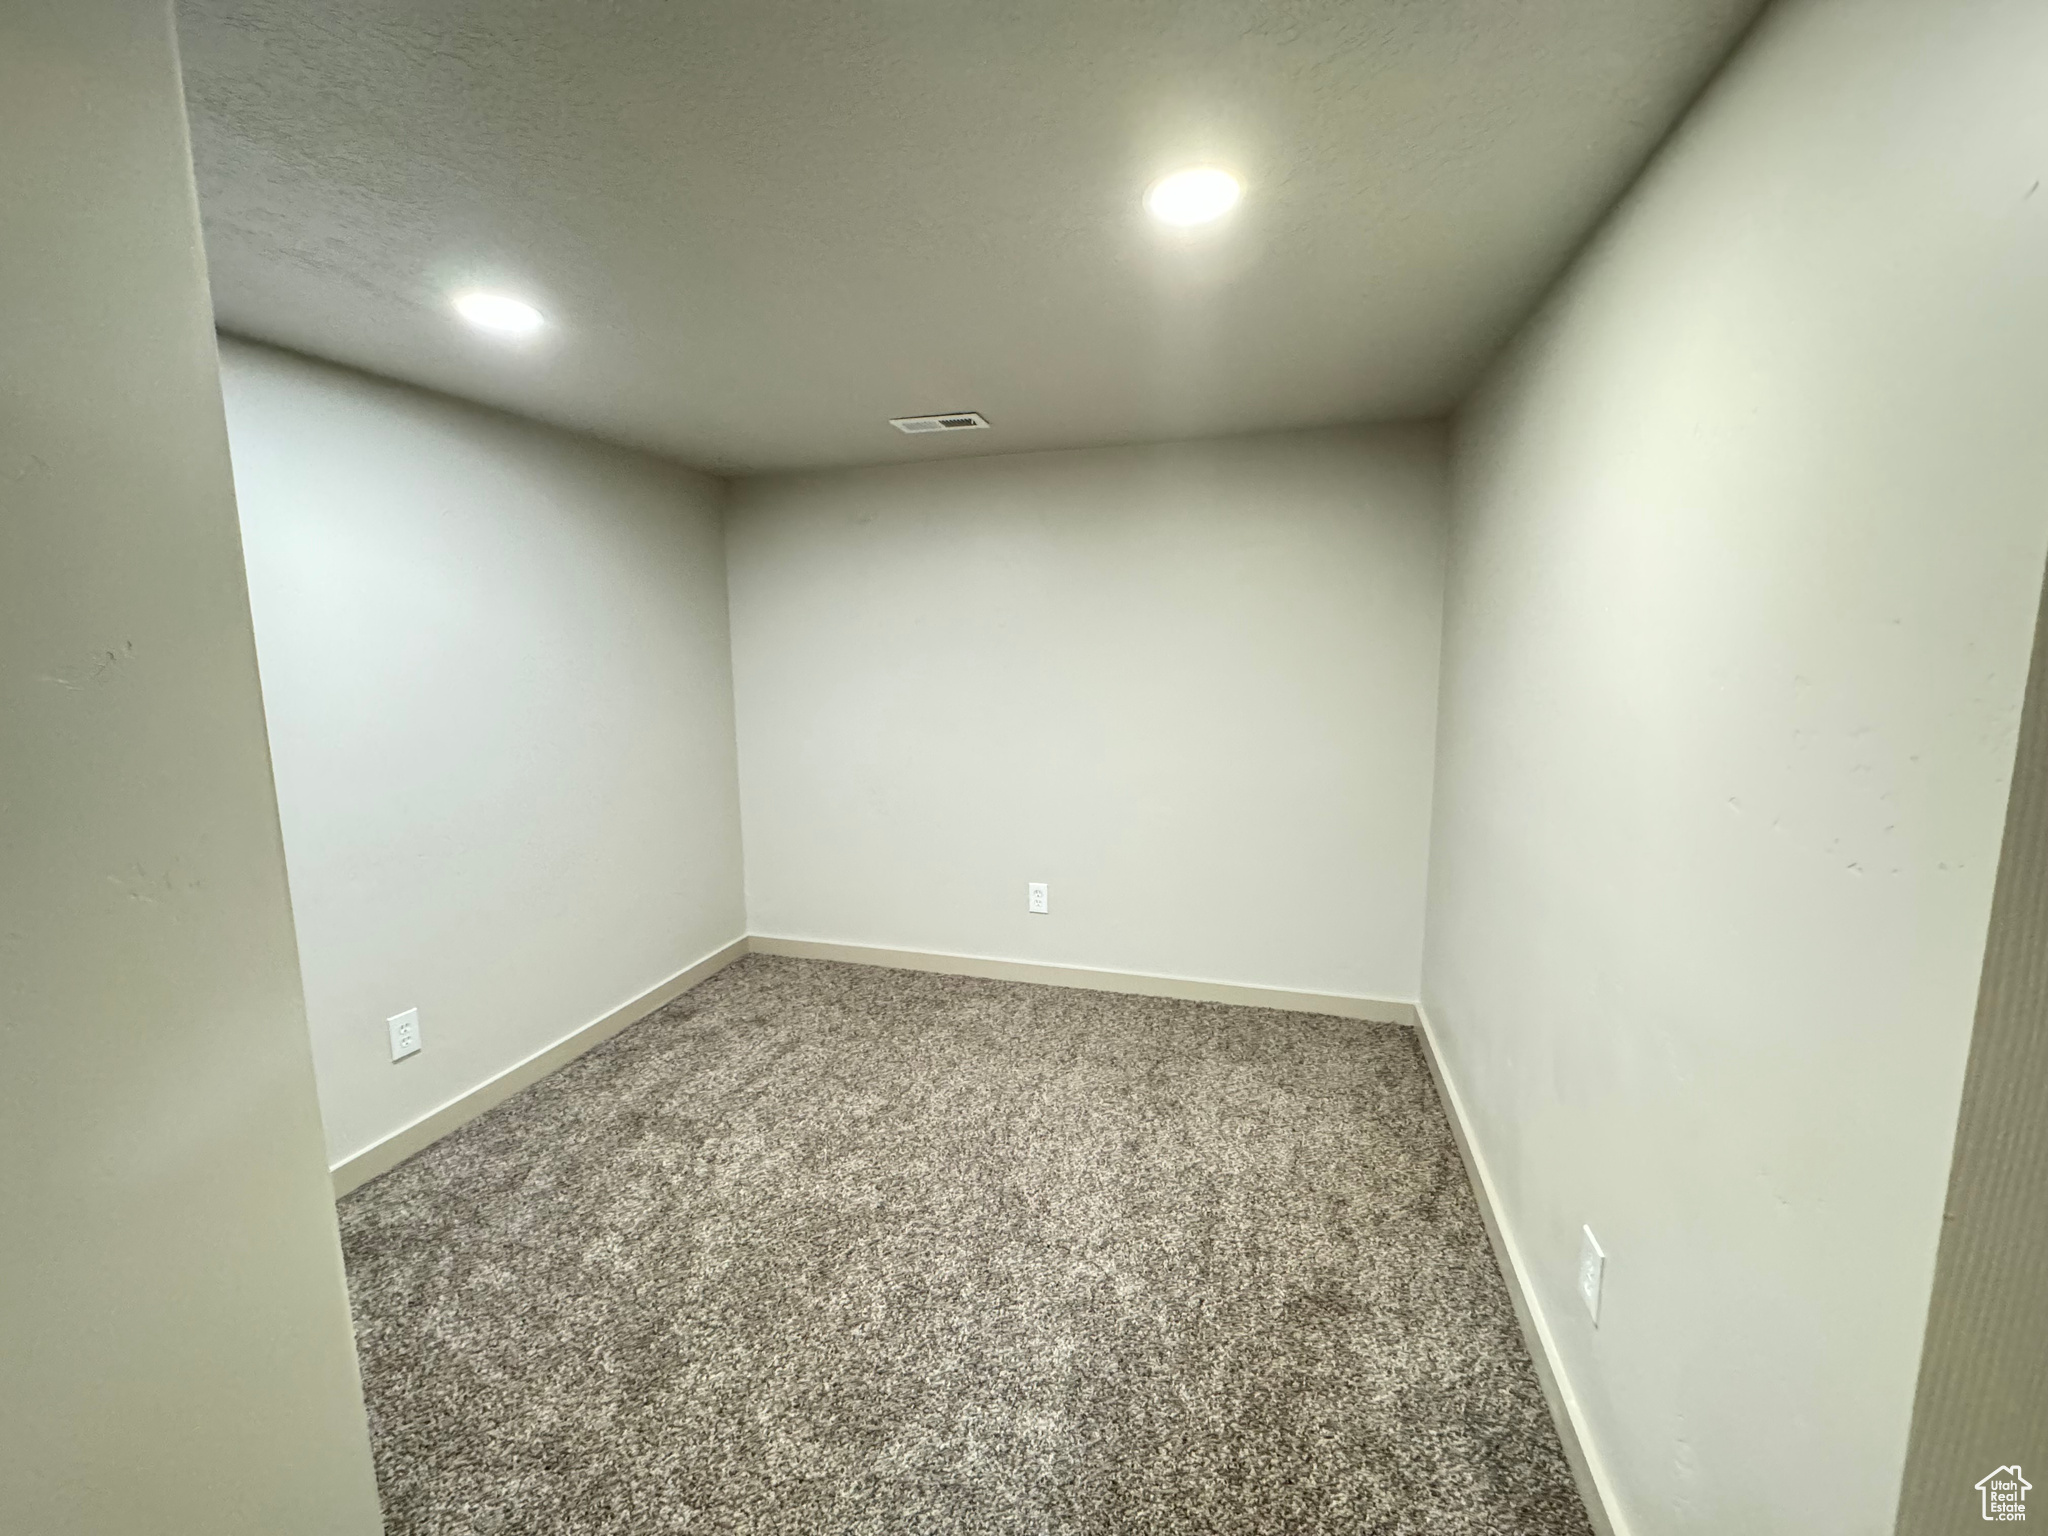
{"points": [[762, 227]]}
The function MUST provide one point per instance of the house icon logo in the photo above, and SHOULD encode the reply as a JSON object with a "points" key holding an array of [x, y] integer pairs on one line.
{"points": [[2005, 1494]]}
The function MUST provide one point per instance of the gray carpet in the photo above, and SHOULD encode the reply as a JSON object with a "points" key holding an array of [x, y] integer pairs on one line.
{"points": [[825, 1248]]}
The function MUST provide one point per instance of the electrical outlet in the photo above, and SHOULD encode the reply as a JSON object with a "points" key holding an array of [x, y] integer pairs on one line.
{"points": [[405, 1033], [1592, 1272], [1040, 901]]}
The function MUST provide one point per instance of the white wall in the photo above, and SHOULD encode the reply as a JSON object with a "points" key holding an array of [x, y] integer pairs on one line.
{"points": [[175, 1355], [1749, 535], [495, 662], [1191, 687]]}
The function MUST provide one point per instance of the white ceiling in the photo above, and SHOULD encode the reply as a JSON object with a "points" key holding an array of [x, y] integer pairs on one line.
{"points": [[762, 227]]}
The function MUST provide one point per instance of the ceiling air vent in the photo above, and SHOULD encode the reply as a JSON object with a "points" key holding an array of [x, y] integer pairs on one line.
{"points": [[952, 421]]}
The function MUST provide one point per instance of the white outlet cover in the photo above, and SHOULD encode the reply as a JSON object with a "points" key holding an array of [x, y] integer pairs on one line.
{"points": [[1039, 896], [1592, 1272], [405, 1033]]}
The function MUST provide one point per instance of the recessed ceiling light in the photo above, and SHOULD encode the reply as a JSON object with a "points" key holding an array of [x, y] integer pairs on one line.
{"points": [[499, 313], [1193, 197]]}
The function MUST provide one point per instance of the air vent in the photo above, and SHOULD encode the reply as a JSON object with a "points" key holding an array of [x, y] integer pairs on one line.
{"points": [[952, 421]]}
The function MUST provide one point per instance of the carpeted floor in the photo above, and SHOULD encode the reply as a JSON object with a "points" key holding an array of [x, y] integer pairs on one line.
{"points": [[825, 1248]]}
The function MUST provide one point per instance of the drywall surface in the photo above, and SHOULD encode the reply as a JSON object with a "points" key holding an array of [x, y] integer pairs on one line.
{"points": [[495, 662], [175, 1354], [1748, 539], [1191, 688]]}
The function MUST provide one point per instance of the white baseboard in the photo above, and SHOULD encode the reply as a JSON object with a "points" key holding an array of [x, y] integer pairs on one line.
{"points": [[382, 1156], [1134, 983], [1589, 1469]]}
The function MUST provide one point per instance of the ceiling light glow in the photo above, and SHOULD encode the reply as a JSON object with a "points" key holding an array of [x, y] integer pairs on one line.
{"points": [[499, 313], [1198, 196]]}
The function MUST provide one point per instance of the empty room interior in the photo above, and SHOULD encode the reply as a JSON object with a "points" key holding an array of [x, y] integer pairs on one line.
{"points": [[1023, 767]]}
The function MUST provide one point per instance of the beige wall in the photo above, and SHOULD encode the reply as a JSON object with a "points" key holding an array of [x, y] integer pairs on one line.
{"points": [[497, 674], [1193, 688], [1748, 541], [174, 1342]]}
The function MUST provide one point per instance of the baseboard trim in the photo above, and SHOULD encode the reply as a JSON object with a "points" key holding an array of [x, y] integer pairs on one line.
{"points": [[1133, 983], [382, 1156], [1589, 1470]]}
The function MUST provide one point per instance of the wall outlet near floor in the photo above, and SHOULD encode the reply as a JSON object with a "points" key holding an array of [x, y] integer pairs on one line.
{"points": [[1040, 901], [405, 1033], [1592, 1271]]}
